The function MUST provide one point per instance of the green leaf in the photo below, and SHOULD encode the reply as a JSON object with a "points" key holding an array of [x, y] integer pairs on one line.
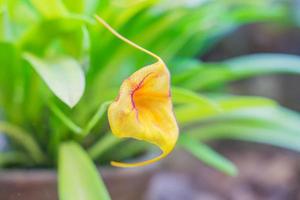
{"points": [[64, 76], [40, 36], [102, 110], [207, 155], [64, 119], [78, 178], [5, 27], [191, 113], [8, 60], [267, 135], [104, 144], [13, 158], [2, 3], [184, 96], [230, 103], [264, 63], [50, 8], [207, 75], [77, 7], [224, 17], [24, 139], [278, 127]]}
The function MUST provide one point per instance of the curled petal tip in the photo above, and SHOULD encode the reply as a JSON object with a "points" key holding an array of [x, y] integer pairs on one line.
{"points": [[138, 164]]}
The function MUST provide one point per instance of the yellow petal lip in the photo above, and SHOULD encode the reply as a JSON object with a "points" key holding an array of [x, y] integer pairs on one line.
{"points": [[144, 111]]}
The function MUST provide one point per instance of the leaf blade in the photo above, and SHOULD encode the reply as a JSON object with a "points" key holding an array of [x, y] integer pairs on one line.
{"points": [[207, 75], [181, 95], [50, 9], [78, 177], [191, 113], [266, 126], [207, 155], [63, 76]]}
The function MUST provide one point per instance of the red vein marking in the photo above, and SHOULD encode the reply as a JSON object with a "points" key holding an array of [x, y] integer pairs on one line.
{"points": [[139, 86]]}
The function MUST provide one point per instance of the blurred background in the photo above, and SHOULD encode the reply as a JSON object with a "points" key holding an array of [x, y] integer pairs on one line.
{"points": [[265, 172], [184, 33]]}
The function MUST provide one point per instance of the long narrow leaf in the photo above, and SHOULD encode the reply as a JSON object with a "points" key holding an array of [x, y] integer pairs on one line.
{"points": [[77, 175], [191, 113], [184, 96], [207, 155], [24, 139], [13, 158], [206, 75], [278, 127]]}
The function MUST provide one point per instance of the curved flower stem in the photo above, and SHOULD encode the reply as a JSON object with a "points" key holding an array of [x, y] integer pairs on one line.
{"points": [[24, 139], [104, 144], [114, 32]]}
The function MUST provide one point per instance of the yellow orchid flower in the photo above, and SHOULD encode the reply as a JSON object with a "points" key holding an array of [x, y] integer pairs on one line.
{"points": [[143, 110]]}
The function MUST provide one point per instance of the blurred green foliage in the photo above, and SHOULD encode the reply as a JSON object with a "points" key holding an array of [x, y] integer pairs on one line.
{"points": [[58, 69]]}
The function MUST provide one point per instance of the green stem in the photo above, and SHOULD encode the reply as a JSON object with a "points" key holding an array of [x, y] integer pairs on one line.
{"points": [[96, 118], [24, 139], [66, 120], [74, 127], [104, 144]]}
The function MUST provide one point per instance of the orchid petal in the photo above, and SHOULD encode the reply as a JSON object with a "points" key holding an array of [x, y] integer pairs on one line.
{"points": [[143, 110]]}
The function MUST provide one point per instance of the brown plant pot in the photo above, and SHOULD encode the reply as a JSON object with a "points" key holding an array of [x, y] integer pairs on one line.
{"points": [[123, 184]]}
